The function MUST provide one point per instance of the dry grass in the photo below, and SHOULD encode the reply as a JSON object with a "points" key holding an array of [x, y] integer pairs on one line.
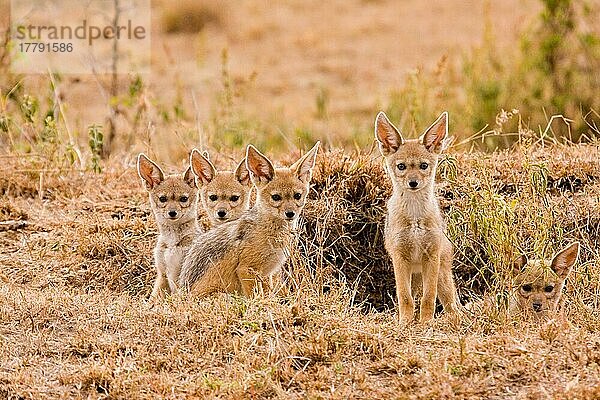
{"points": [[74, 320], [65, 344]]}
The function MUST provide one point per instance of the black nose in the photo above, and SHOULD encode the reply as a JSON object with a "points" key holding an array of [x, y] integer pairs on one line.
{"points": [[413, 184], [221, 213], [290, 214], [172, 214], [537, 306]]}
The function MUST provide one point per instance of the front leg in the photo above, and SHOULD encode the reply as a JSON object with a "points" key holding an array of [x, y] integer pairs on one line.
{"points": [[173, 277], [446, 287], [431, 269], [403, 276], [161, 284], [174, 268]]}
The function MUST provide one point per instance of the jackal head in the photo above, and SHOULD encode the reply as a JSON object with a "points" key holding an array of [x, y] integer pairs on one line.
{"points": [[281, 192], [411, 164], [173, 198], [537, 284], [225, 195]]}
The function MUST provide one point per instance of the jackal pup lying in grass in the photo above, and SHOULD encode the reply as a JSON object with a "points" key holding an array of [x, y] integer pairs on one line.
{"points": [[537, 284], [173, 200], [240, 255], [224, 195], [414, 229]]}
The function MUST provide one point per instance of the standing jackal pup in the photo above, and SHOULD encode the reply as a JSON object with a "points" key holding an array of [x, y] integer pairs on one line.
{"points": [[173, 200], [414, 229], [225, 195], [537, 286], [240, 255]]}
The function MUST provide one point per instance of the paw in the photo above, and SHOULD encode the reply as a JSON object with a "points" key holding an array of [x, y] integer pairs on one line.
{"points": [[405, 319]]}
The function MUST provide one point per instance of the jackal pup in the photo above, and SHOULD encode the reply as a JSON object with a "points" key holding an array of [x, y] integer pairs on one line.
{"points": [[173, 200], [240, 255], [537, 285], [224, 195], [414, 229]]}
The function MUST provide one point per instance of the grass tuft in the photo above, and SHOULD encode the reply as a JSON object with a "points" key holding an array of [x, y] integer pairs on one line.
{"points": [[192, 16]]}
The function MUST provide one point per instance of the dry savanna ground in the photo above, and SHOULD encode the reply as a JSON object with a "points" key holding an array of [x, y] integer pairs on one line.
{"points": [[77, 269], [76, 231], [294, 69]]}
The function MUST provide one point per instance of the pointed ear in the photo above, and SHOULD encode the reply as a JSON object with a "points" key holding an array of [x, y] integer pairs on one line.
{"points": [[304, 166], [150, 173], [242, 174], [434, 136], [202, 167], [564, 260], [388, 136], [519, 264], [259, 165], [189, 178]]}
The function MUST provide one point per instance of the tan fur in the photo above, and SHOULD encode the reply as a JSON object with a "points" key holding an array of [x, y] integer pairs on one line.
{"points": [[224, 195], [537, 284], [243, 255], [415, 230], [173, 200]]}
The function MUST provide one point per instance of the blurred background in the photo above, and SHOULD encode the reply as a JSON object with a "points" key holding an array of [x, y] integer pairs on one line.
{"points": [[284, 74]]}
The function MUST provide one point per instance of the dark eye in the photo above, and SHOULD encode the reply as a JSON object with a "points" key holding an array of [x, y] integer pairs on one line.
{"points": [[234, 198], [548, 288], [527, 288], [297, 196], [276, 197], [183, 199], [162, 199], [401, 166], [423, 165], [213, 197]]}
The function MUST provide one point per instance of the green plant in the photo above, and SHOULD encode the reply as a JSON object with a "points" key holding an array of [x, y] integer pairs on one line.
{"points": [[560, 61], [322, 102], [424, 96], [230, 127], [29, 108], [555, 71], [96, 141]]}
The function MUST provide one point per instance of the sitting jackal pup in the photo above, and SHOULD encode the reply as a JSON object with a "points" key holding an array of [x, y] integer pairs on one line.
{"points": [[414, 229], [240, 255], [537, 286], [173, 200], [224, 195]]}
